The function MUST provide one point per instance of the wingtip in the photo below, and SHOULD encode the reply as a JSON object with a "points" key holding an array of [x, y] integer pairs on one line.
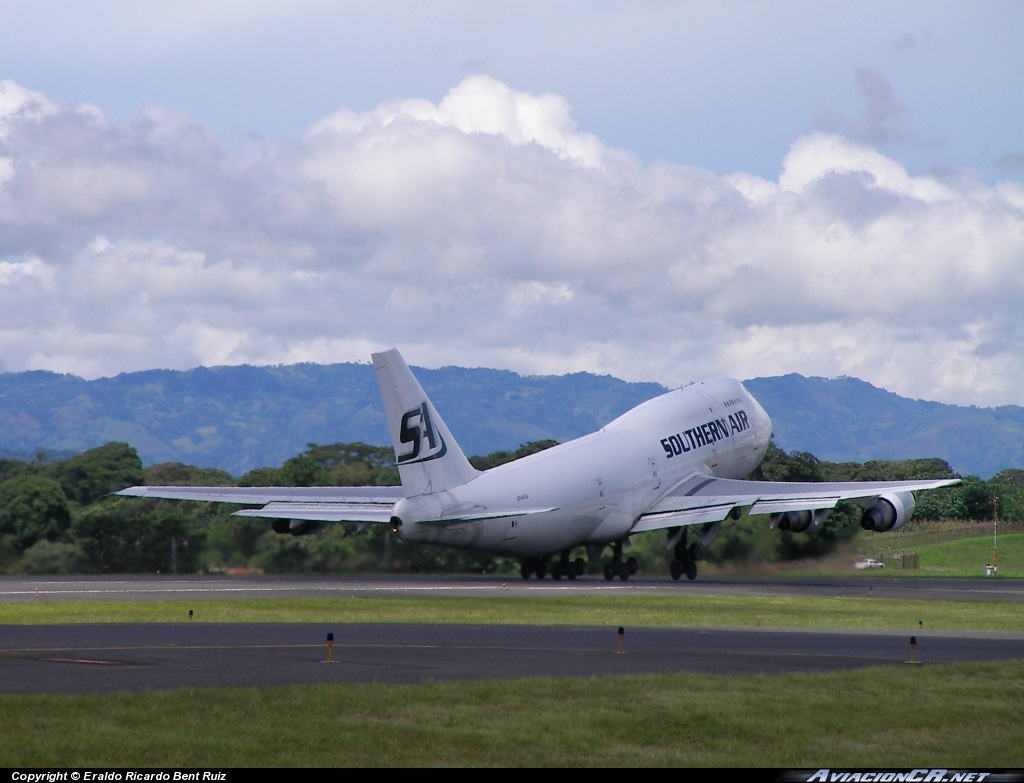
{"points": [[133, 492]]}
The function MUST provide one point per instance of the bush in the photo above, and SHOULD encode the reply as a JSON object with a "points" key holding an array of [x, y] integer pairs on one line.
{"points": [[32, 508], [99, 472], [129, 536], [175, 474], [49, 557]]}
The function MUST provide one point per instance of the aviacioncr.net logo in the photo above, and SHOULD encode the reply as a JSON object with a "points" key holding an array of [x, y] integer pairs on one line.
{"points": [[890, 776]]}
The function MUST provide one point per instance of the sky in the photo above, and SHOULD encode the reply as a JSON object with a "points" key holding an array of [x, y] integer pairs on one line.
{"points": [[661, 191]]}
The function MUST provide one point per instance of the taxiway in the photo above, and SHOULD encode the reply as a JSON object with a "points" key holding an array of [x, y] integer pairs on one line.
{"points": [[131, 657]]}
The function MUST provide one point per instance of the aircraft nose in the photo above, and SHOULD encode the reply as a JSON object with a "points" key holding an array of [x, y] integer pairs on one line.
{"points": [[763, 421], [759, 415]]}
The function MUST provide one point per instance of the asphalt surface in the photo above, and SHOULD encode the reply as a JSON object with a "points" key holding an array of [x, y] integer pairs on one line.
{"points": [[154, 588], [84, 658], [132, 657]]}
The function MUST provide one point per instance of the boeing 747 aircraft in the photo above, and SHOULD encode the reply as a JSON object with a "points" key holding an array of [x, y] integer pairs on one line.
{"points": [[675, 463]]}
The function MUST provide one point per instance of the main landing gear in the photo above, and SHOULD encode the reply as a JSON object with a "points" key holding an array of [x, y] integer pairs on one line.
{"points": [[686, 557], [561, 567], [617, 567]]}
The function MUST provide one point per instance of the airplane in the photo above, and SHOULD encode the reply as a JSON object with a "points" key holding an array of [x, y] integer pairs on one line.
{"points": [[677, 462]]}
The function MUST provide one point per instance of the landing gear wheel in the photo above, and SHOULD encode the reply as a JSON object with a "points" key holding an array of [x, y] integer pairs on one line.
{"points": [[541, 570], [525, 570], [633, 566], [581, 566], [680, 552], [695, 551], [624, 571], [676, 569], [691, 570], [563, 567], [609, 571]]}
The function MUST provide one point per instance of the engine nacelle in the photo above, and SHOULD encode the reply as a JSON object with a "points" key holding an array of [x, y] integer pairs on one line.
{"points": [[794, 521], [890, 511], [296, 527]]}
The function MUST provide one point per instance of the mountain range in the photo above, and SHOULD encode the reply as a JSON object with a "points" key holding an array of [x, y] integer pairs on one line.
{"points": [[240, 417]]}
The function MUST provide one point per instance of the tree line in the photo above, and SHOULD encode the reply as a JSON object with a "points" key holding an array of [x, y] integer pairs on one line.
{"points": [[58, 516]]}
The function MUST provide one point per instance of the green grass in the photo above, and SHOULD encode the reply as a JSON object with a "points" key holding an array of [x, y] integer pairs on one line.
{"points": [[961, 558], [964, 715], [634, 610], [968, 556], [967, 715]]}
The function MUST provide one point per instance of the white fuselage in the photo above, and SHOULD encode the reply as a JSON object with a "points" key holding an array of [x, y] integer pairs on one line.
{"points": [[596, 487]]}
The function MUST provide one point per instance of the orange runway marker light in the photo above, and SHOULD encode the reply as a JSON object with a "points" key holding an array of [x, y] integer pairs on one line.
{"points": [[913, 646], [190, 615], [330, 649], [622, 636]]}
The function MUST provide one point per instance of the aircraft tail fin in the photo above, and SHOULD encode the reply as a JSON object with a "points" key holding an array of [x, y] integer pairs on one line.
{"points": [[429, 459]]}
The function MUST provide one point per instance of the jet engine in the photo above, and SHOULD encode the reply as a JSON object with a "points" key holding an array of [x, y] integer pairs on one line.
{"points": [[794, 521], [890, 511], [296, 527]]}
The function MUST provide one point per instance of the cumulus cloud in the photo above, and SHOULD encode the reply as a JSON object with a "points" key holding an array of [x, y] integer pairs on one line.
{"points": [[488, 230], [482, 105]]}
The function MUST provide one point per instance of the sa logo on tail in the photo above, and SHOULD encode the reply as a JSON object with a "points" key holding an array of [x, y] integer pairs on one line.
{"points": [[415, 424]]}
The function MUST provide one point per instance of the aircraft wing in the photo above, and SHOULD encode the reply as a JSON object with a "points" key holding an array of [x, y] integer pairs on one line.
{"points": [[700, 499], [320, 504], [317, 504]]}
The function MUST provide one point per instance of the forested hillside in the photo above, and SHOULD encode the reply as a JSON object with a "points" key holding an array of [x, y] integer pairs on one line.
{"points": [[239, 418], [847, 419]]}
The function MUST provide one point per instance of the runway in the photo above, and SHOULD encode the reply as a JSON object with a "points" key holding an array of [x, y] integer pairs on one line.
{"points": [[133, 657], [156, 588]]}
